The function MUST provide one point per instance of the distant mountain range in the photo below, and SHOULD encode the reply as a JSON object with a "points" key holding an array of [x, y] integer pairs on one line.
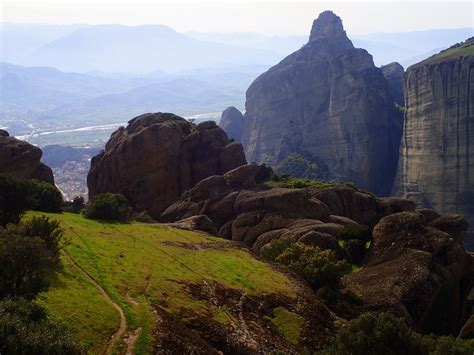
{"points": [[44, 98], [143, 49], [70, 76]]}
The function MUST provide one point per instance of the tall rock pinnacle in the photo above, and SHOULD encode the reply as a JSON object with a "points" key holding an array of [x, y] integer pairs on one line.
{"points": [[328, 106], [327, 25]]}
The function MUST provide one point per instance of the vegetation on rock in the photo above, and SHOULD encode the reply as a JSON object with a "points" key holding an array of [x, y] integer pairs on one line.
{"points": [[299, 166], [383, 333], [285, 181], [109, 207], [19, 195]]}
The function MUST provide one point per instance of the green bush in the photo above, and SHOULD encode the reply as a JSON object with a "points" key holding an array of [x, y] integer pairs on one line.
{"points": [[383, 333], [15, 198], [19, 195], [74, 206], [142, 217], [320, 268], [46, 197], [25, 329], [287, 182], [355, 231], [29, 254], [272, 250], [342, 301], [300, 166], [108, 206]]}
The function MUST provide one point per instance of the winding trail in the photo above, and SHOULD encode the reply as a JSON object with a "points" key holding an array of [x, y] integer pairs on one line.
{"points": [[123, 321]]}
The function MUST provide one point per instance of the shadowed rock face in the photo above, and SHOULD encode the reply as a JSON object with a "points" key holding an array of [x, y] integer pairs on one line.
{"points": [[232, 122], [436, 167], [393, 72], [159, 156], [417, 270], [21, 159], [328, 102]]}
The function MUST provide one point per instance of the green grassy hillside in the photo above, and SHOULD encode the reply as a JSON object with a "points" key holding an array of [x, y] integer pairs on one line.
{"points": [[464, 49], [144, 268]]}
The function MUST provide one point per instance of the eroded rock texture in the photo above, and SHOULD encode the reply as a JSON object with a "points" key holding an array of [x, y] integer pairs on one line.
{"points": [[21, 159], [436, 167], [418, 270], [159, 156], [242, 208], [393, 72], [232, 122], [329, 103]]}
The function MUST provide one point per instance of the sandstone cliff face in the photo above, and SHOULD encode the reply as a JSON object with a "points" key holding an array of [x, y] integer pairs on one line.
{"points": [[232, 122], [436, 167], [159, 156], [21, 159], [327, 101], [393, 72]]}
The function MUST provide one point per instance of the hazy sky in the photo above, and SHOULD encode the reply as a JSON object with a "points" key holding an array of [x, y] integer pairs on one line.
{"points": [[282, 17]]}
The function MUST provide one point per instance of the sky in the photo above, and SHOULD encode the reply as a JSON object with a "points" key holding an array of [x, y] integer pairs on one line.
{"points": [[268, 17]]}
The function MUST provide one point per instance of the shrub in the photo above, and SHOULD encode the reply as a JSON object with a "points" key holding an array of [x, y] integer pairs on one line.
{"points": [[342, 301], [355, 231], [301, 166], [25, 329], [272, 250], [355, 238], [74, 206], [383, 333], [142, 217], [285, 181], [15, 198], [374, 333], [108, 206], [319, 268], [29, 254], [46, 197], [19, 195]]}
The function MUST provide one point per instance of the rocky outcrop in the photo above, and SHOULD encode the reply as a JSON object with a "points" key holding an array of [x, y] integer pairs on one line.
{"points": [[416, 271], [416, 266], [244, 209], [232, 122], [328, 103], [393, 72], [23, 160], [436, 167], [159, 156]]}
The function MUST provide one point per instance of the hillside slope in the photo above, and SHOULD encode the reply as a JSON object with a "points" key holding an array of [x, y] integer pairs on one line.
{"points": [[173, 285]]}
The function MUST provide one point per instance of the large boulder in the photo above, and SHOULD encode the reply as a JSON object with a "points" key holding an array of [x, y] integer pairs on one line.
{"points": [[22, 160], [244, 209], [329, 103], [158, 156], [416, 271]]}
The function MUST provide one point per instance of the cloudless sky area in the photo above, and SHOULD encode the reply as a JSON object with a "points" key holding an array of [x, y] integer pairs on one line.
{"points": [[269, 17]]}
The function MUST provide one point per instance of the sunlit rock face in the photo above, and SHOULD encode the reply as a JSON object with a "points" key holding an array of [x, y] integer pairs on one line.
{"points": [[158, 156], [22, 160], [436, 166], [329, 103]]}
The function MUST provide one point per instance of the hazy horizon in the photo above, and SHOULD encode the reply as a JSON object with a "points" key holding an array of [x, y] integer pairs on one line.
{"points": [[359, 18]]}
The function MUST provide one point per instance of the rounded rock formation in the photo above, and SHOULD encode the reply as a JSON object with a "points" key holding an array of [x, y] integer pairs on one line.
{"points": [[158, 156], [22, 160]]}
